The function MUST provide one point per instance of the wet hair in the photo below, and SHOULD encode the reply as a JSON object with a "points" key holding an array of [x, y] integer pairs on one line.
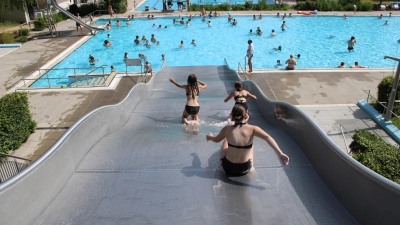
{"points": [[192, 85], [238, 86], [238, 112], [342, 63]]}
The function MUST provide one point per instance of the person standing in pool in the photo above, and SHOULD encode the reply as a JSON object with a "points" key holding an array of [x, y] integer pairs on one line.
{"points": [[192, 89], [283, 26], [237, 153], [351, 43], [249, 54], [291, 63], [137, 40]]}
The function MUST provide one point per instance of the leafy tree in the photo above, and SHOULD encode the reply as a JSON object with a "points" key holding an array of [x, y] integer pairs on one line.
{"points": [[7, 5]]}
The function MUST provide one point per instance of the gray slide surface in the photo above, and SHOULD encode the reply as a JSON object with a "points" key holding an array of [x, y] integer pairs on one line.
{"points": [[135, 163], [92, 28]]}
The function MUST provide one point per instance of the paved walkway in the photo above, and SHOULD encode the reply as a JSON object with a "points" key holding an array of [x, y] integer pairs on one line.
{"points": [[327, 96]]}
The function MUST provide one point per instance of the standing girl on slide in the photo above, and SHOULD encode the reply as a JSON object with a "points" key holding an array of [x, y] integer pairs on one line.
{"points": [[192, 88]]}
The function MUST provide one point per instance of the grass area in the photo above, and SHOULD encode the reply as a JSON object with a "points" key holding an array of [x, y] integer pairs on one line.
{"points": [[8, 24], [396, 122]]}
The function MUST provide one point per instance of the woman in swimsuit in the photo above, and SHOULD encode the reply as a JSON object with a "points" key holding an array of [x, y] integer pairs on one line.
{"points": [[192, 107], [237, 154], [240, 97]]}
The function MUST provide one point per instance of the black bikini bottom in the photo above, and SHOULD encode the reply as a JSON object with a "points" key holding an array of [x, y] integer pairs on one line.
{"points": [[235, 169], [243, 104], [192, 110]]}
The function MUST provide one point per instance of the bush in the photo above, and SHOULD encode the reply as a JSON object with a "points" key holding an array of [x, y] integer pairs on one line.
{"points": [[365, 6], [16, 122], [73, 9], [22, 39], [40, 24], [384, 90], [86, 9], [25, 32], [339, 5], [6, 38], [58, 17], [223, 7], [238, 7], [208, 7], [194, 7], [374, 153]]}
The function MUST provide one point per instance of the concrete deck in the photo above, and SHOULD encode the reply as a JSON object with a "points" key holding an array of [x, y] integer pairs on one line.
{"points": [[329, 97]]}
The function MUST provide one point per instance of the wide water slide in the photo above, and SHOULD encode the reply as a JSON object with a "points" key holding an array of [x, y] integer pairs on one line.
{"points": [[91, 28], [135, 163]]}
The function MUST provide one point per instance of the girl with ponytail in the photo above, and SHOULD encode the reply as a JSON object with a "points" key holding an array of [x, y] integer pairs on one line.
{"points": [[237, 151], [240, 97]]}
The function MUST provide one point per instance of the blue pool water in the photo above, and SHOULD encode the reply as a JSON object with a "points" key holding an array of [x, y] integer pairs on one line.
{"points": [[306, 35], [158, 3]]}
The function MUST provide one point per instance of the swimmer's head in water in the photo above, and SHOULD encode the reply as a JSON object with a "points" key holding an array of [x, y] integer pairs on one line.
{"points": [[238, 112], [238, 86]]}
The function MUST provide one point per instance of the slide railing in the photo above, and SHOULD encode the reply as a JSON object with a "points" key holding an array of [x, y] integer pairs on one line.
{"points": [[91, 28]]}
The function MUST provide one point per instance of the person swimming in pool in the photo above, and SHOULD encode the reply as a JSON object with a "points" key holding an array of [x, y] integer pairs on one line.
{"points": [[107, 43], [92, 60], [192, 89], [240, 97], [237, 153], [279, 48]]}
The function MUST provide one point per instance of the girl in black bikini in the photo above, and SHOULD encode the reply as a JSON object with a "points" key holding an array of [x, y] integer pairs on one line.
{"points": [[192, 88], [240, 97], [237, 152]]}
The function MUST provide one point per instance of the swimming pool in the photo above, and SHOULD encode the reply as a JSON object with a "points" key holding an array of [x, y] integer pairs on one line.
{"points": [[306, 35], [158, 3]]}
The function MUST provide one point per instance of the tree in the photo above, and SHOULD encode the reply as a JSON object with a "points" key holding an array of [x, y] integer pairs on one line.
{"points": [[7, 5]]}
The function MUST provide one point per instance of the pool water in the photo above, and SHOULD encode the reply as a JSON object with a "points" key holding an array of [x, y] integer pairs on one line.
{"points": [[305, 35], [158, 3]]}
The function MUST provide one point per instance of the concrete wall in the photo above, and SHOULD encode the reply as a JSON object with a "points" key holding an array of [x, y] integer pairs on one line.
{"points": [[15, 15]]}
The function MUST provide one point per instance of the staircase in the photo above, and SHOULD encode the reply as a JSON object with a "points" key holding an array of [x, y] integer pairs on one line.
{"points": [[9, 168]]}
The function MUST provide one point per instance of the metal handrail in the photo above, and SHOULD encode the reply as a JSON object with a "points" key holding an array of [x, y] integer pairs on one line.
{"points": [[84, 76], [240, 68], [376, 100], [15, 157], [345, 142]]}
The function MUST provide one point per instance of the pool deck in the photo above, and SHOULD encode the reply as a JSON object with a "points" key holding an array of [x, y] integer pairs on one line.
{"points": [[327, 96]]}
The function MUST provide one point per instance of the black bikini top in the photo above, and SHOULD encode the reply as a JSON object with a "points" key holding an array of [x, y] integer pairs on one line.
{"points": [[245, 147], [239, 96]]}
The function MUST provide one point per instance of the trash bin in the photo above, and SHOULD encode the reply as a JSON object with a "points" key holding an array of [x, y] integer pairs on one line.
{"points": [[146, 8]]}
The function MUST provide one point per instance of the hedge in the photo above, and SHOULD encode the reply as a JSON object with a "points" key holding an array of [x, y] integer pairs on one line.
{"points": [[16, 122], [384, 90], [340, 5], [381, 157]]}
